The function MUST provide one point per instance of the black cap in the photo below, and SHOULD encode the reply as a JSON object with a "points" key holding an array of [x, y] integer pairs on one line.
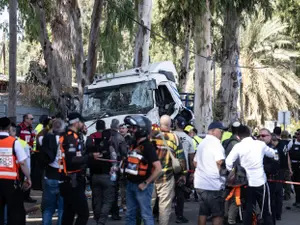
{"points": [[4, 122], [75, 117], [216, 125], [181, 122]]}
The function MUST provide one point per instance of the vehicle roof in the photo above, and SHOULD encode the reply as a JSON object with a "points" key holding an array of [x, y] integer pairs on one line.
{"points": [[134, 75]]}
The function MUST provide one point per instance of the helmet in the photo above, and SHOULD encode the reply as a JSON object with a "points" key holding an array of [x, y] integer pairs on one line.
{"points": [[142, 123]]}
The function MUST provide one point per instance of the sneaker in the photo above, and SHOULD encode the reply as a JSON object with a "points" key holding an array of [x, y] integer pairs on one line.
{"points": [[181, 219]]}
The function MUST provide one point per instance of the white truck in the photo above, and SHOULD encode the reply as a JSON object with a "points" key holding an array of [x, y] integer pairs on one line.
{"points": [[147, 91]]}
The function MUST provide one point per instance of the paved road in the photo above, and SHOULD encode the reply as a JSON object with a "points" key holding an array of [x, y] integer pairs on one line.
{"points": [[289, 217]]}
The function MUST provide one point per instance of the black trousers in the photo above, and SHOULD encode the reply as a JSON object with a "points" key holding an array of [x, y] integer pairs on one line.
{"points": [[115, 207], [276, 192], [296, 178], [179, 195], [75, 203], [256, 195], [12, 196], [103, 196]]}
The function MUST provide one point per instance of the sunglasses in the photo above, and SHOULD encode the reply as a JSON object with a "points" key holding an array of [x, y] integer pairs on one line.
{"points": [[264, 135], [30, 118]]}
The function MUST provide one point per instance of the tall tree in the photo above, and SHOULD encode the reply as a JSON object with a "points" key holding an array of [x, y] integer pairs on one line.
{"points": [[94, 33], [233, 11], [12, 88], [203, 90], [142, 40], [275, 87], [58, 51]]}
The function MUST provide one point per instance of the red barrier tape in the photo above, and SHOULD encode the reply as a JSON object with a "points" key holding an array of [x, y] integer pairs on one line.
{"points": [[284, 182]]}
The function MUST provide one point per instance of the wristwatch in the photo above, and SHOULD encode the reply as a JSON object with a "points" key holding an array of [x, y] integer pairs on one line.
{"points": [[145, 182]]}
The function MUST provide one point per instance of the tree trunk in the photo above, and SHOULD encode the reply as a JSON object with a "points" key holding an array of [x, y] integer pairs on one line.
{"points": [[4, 53], [58, 54], [203, 88], [142, 40], [94, 35], [185, 64], [76, 38], [228, 93], [12, 89]]}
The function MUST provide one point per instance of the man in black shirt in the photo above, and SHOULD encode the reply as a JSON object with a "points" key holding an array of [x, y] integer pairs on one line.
{"points": [[73, 163], [280, 147], [142, 167], [102, 166]]}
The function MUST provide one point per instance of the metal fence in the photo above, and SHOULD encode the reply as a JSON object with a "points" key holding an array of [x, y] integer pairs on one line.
{"points": [[21, 110]]}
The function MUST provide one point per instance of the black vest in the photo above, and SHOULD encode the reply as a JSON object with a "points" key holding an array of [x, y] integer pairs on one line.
{"points": [[295, 151]]}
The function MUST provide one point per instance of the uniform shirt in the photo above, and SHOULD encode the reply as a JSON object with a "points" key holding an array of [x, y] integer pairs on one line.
{"points": [[207, 174], [73, 152], [251, 155], [19, 150], [187, 145], [290, 145]]}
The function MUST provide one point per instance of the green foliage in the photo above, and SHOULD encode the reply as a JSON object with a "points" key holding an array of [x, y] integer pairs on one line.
{"points": [[267, 91], [116, 36], [289, 13]]}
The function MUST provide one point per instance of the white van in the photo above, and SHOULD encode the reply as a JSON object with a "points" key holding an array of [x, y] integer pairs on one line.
{"points": [[147, 91]]}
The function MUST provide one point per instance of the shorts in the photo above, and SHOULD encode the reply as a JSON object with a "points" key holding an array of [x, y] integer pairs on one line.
{"points": [[212, 203]]}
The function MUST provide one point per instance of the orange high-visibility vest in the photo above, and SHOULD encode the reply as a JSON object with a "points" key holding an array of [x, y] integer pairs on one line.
{"points": [[8, 164], [61, 156]]}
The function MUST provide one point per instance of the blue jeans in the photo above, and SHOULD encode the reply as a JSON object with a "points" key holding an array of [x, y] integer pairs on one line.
{"points": [[136, 198], [51, 200]]}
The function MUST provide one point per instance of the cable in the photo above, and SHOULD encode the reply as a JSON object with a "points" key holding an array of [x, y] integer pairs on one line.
{"points": [[181, 45]]}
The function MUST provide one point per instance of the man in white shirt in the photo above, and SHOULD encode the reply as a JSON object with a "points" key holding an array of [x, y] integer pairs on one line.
{"points": [[209, 183], [251, 154]]}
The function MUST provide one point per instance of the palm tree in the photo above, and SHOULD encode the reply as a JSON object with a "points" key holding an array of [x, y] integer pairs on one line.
{"points": [[274, 86]]}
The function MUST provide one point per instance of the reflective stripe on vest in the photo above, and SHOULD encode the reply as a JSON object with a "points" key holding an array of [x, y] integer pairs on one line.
{"points": [[61, 155], [8, 165]]}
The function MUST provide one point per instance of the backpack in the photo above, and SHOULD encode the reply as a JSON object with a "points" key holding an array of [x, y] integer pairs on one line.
{"points": [[48, 150], [226, 145]]}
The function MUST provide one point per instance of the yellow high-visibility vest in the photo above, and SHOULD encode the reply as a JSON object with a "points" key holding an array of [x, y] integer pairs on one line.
{"points": [[226, 135], [196, 141], [37, 130]]}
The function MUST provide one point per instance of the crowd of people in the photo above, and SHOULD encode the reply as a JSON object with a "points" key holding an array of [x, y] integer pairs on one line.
{"points": [[235, 175]]}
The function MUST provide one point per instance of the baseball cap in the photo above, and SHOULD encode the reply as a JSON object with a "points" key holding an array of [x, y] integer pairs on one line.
{"points": [[181, 122], [188, 128], [216, 125]]}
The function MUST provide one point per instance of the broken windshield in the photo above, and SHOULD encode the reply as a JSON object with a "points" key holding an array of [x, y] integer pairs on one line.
{"points": [[133, 98]]}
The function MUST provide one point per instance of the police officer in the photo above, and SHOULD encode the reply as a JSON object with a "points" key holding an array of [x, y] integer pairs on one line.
{"points": [[12, 156], [294, 152], [72, 165], [272, 170]]}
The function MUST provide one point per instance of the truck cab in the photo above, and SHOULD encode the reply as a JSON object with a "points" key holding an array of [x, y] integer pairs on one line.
{"points": [[147, 91]]}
